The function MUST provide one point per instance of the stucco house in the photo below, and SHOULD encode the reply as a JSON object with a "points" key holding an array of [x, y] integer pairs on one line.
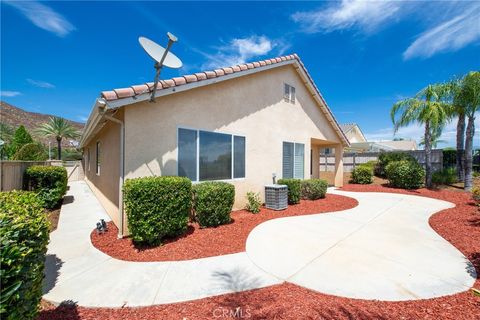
{"points": [[240, 124]]}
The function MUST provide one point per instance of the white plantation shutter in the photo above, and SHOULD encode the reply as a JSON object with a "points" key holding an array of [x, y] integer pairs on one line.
{"points": [[288, 162], [299, 161]]}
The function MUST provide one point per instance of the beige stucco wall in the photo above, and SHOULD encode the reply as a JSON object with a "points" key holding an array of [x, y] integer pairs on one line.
{"points": [[106, 184], [355, 135], [251, 106]]}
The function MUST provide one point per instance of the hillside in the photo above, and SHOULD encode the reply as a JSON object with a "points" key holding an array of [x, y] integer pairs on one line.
{"points": [[14, 117]]}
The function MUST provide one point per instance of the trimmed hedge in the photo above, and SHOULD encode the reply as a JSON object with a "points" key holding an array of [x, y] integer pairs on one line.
{"points": [[362, 174], [157, 207], [314, 189], [386, 157], [50, 182], [24, 238], [405, 174], [294, 189], [213, 202]]}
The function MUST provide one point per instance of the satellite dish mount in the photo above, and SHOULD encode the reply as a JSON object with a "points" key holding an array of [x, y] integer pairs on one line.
{"points": [[162, 57]]}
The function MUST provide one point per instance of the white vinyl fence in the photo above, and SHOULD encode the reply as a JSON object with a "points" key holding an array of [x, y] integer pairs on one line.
{"points": [[352, 159]]}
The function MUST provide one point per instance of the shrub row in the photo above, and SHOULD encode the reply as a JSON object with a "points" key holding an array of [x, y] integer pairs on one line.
{"points": [[49, 182], [24, 238], [159, 207], [385, 158], [405, 174], [363, 174], [311, 189]]}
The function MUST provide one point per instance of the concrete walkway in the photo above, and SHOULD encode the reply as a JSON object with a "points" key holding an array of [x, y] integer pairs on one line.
{"points": [[76, 271], [382, 249]]}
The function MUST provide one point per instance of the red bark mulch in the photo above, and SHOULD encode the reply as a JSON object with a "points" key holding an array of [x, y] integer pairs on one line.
{"points": [[207, 242], [459, 225]]}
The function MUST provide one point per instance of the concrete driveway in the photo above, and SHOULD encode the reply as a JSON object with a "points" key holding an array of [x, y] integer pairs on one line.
{"points": [[382, 249]]}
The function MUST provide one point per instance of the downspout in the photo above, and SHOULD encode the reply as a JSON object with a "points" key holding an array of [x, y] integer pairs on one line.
{"points": [[102, 109]]}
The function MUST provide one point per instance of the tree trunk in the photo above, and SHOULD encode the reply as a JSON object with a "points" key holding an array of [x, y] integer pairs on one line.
{"points": [[468, 153], [460, 147], [59, 148], [428, 155]]}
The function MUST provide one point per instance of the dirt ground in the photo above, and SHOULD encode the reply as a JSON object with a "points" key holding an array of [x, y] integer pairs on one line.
{"points": [[53, 216]]}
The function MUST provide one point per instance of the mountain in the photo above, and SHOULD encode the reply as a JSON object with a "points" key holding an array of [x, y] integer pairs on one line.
{"points": [[15, 116]]}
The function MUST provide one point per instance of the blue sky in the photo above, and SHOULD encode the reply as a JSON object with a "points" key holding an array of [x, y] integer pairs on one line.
{"points": [[57, 56]]}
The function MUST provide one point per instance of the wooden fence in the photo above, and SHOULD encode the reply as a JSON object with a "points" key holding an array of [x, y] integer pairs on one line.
{"points": [[11, 172], [351, 159]]}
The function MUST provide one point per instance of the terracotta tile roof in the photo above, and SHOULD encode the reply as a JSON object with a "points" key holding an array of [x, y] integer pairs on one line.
{"points": [[179, 81]]}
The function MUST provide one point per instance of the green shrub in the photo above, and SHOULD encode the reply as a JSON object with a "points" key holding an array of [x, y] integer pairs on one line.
{"points": [[50, 182], [314, 189], [405, 174], [157, 207], [476, 194], [213, 202], [253, 202], [31, 152], [294, 189], [386, 157], [24, 238], [445, 176], [362, 174], [449, 158]]}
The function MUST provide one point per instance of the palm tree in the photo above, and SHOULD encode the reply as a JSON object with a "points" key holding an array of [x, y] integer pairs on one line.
{"points": [[468, 96], [58, 128], [458, 110], [429, 108], [435, 139]]}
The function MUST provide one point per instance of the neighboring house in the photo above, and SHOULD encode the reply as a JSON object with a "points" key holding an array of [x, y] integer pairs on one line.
{"points": [[359, 143], [240, 124]]}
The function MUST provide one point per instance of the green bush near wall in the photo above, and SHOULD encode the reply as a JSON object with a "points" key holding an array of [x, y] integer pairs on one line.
{"points": [[294, 189], [213, 202], [362, 174], [386, 157], [405, 174], [24, 238], [157, 207], [314, 189], [50, 182], [445, 177]]}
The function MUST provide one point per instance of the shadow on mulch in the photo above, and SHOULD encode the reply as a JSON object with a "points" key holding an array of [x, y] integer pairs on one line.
{"points": [[67, 310]]}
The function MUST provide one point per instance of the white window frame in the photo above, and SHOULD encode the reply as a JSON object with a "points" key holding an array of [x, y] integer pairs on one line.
{"points": [[294, 163], [291, 93], [232, 135]]}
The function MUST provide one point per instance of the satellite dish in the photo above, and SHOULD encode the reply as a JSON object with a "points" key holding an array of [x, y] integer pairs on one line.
{"points": [[156, 52], [161, 56]]}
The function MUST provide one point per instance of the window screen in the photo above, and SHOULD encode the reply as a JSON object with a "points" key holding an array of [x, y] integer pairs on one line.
{"points": [[239, 157], [287, 167], [97, 158], [215, 156], [299, 162], [187, 153], [293, 165]]}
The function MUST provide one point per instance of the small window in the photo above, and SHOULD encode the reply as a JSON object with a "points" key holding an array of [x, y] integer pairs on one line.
{"points": [[289, 93], [88, 159], [97, 158], [293, 160]]}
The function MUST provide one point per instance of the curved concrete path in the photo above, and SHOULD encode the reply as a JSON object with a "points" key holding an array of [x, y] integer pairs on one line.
{"points": [[382, 249]]}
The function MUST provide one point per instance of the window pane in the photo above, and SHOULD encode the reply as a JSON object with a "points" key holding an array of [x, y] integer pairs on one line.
{"points": [[239, 157], [187, 153], [215, 156], [97, 156], [292, 94], [287, 166], [299, 160], [286, 92]]}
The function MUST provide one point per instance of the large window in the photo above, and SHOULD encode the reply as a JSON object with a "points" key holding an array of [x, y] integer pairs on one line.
{"points": [[204, 155], [293, 160]]}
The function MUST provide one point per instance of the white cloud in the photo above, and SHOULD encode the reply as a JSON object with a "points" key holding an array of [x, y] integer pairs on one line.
{"points": [[41, 84], [240, 50], [361, 14], [10, 93], [416, 132], [43, 17], [451, 35]]}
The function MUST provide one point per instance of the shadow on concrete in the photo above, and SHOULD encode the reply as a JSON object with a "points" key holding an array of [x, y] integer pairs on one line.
{"points": [[52, 271], [68, 199], [67, 310]]}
